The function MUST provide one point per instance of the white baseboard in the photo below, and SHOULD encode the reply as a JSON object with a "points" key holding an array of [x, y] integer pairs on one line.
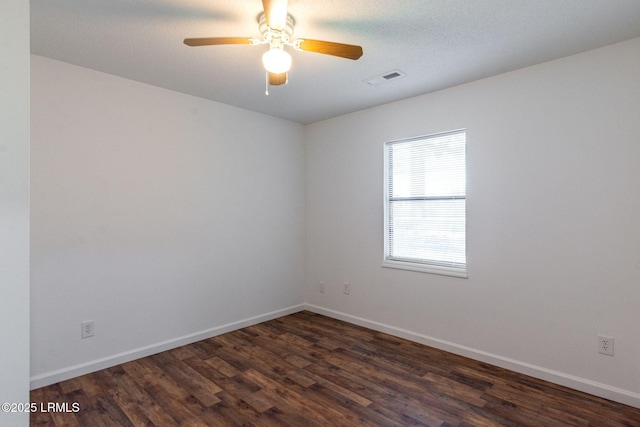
{"points": [[582, 384], [577, 383], [53, 377]]}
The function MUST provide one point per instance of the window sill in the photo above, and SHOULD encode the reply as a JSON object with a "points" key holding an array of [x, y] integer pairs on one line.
{"points": [[424, 268]]}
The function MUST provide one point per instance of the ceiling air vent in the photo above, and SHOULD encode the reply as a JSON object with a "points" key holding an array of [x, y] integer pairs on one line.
{"points": [[385, 78]]}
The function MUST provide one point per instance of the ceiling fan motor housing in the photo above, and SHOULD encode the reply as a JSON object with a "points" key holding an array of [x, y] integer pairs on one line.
{"points": [[276, 38]]}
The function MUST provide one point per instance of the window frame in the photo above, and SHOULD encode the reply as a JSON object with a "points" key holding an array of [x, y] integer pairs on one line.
{"points": [[420, 266]]}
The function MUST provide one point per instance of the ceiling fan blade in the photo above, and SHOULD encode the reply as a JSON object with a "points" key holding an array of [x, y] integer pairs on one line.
{"points": [[277, 79], [210, 41], [342, 50], [275, 12]]}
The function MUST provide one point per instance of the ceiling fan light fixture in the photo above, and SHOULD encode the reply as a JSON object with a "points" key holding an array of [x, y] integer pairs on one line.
{"points": [[276, 60]]}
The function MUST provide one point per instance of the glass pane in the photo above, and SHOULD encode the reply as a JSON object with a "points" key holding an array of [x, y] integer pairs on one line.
{"points": [[429, 167], [428, 230]]}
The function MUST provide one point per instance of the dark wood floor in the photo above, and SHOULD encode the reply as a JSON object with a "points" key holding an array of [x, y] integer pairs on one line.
{"points": [[310, 370]]}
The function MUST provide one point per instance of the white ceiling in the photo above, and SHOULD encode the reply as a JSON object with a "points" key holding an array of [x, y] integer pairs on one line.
{"points": [[437, 43]]}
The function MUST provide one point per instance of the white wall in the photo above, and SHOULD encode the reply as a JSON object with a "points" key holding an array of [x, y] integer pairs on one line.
{"points": [[14, 208], [163, 217], [553, 221]]}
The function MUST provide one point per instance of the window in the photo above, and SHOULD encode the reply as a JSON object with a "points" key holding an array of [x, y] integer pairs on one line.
{"points": [[425, 204]]}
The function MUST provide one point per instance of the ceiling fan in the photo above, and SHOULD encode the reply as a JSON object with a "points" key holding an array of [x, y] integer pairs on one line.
{"points": [[276, 27]]}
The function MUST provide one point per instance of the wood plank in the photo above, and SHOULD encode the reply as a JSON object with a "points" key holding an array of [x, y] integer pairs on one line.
{"points": [[313, 412], [222, 366], [200, 387], [135, 397], [54, 394], [176, 408]]}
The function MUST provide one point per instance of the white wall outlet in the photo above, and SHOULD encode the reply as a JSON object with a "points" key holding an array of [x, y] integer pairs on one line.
{"points": [[87, 329], [605, 345], [321, 286], [346, 288]]}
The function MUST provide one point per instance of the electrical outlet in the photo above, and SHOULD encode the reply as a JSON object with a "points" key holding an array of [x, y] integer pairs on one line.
{"points": [[605, 345], [346, 288], [321, 286], [87, 329]]}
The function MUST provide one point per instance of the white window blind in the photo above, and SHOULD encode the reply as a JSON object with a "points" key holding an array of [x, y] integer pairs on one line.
{"points": [[425, 203]]}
